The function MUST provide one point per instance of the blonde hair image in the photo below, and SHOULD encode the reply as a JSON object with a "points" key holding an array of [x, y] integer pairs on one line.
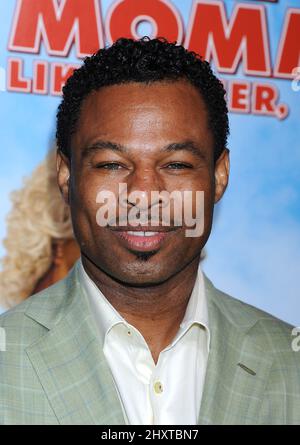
{"points": [[38, 217]]}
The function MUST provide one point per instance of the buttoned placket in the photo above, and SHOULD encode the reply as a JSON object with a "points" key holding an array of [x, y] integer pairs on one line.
{"points": [[148, 372]]}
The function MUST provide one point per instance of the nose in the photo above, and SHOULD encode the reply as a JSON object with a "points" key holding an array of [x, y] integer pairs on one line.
{"points": [[140, 187]]}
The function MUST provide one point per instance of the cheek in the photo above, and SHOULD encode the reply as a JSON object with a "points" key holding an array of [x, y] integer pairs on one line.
{"points": [[197, 189], [202, 209], [84, 206], [90, 188]]}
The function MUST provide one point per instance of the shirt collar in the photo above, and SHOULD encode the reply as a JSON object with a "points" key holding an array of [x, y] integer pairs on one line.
{"points": [[196, 311], [107, 316]]}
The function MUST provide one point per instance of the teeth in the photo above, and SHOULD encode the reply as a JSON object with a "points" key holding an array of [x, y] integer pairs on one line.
{"points": [[130, 232]]}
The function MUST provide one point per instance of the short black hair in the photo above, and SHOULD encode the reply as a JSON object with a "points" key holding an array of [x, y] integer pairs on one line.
{"points": [[145, 60]]}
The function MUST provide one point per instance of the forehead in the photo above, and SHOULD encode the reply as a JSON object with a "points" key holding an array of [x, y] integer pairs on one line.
{"points": [[134, 111]]}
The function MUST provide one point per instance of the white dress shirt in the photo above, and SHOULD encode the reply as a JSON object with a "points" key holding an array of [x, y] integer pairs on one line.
{"points": [[170, 392]]}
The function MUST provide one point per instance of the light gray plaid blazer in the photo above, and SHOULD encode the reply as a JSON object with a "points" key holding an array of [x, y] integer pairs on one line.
{"points": [[54, 371]]}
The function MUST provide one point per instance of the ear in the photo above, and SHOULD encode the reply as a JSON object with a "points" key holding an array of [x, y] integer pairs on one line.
{"points": [[221, 174], [63, 174]]}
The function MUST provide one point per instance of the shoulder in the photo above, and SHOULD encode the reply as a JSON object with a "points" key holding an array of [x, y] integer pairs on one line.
{"points": [[24, 400], [20, 330], [28, 320], [269, 332], [260, 336]]}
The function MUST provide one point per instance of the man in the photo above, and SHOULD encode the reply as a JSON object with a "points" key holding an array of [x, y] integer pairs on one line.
{"points": [[136, 333]]}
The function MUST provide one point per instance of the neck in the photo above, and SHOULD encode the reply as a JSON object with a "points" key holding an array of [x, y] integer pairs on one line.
{"points": [[156, 311]]}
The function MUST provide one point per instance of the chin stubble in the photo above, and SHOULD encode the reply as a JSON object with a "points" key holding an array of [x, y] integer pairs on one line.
{"points": [[143, 256]]}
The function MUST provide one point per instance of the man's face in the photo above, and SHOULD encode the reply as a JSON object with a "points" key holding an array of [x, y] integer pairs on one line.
{"points": [[124, 135]]}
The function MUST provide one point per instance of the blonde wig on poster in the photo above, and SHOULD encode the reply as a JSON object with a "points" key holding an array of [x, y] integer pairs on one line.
{"points": [[37, 218]]}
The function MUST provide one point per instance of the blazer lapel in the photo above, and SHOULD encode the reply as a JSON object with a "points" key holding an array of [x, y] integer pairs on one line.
{"points": [[237, 367], [70, 363]]}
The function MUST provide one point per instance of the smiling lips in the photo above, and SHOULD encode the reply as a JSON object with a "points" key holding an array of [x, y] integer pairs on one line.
{"points": [[144, 240]]}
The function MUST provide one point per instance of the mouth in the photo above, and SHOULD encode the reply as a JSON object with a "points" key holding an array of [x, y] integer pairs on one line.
{"points": [[146, 239]]}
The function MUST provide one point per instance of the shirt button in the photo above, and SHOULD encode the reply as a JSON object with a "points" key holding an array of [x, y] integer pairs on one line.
{"points": [[158, 387], [129, 332]]}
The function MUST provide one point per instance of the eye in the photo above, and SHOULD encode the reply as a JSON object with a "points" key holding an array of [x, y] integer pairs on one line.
{"points": [[178, 166], [109, 166]]}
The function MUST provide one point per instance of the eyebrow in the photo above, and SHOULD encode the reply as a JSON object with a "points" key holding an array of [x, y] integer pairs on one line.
{"points": [[187, 145]]}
